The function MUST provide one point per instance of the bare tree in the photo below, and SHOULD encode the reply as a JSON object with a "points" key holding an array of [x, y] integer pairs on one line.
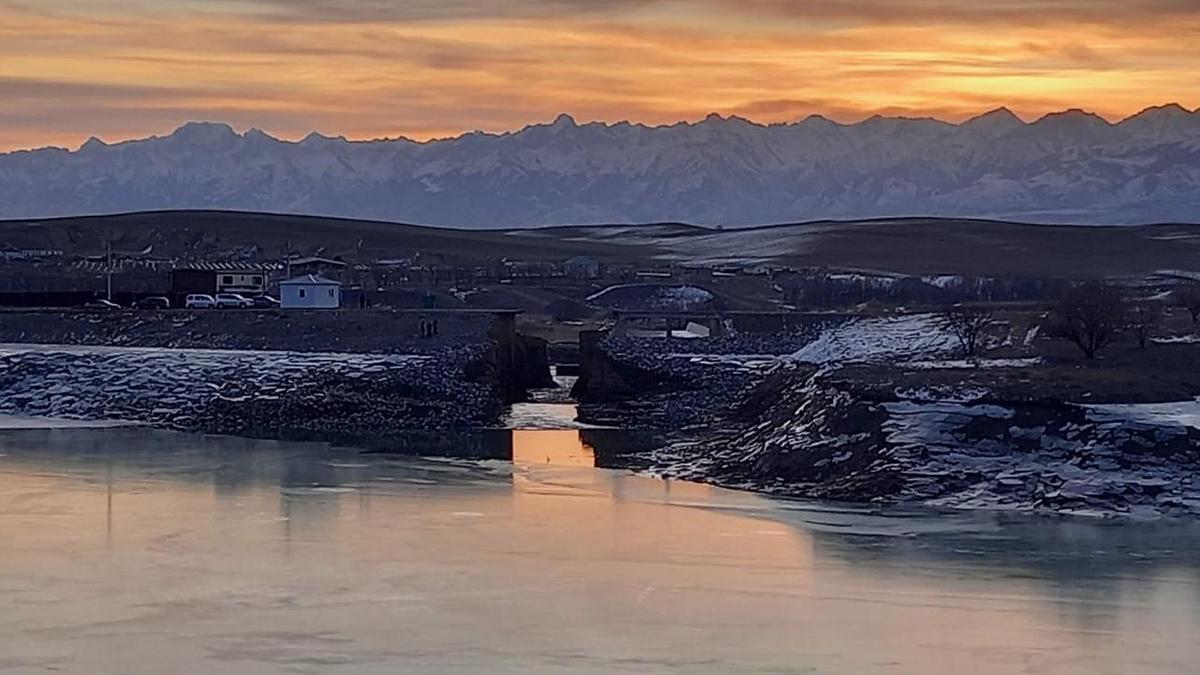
{"points": [[1188, 297], [1144, 318], [1090, 316], [968, 325]]}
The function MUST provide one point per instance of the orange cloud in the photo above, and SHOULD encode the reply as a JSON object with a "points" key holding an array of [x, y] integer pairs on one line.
{"points": [[369, 68]]}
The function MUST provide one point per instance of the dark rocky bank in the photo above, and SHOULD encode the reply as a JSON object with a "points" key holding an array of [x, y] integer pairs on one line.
{"points": [[891, 432], [363, 379]]}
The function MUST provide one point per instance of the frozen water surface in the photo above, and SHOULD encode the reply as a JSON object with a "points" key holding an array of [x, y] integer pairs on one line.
{"points": [[129, 550]]}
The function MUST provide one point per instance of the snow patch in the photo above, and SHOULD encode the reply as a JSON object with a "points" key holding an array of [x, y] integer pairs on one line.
{"points": [[1182, 413], [889, 338], [974, 363], [1177, 340]]}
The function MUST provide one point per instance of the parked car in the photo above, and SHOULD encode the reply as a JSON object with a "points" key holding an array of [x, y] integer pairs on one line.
{"points": [[157, 302], [265, 302], [101, 303], [200, 301], [233, 300]]}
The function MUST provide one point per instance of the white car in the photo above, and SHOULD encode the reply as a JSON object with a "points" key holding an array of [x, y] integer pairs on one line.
{"points": [[200, 302], [233, 300]]}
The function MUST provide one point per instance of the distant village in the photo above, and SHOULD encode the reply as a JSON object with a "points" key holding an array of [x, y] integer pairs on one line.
{"points": [[59, 279], [567, 291], [55, 278]]}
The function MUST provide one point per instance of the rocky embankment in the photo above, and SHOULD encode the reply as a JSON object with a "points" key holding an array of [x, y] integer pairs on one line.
{"points": [[868, 411], [650, 383], [286, 395], [803, 435], [354, 377]]}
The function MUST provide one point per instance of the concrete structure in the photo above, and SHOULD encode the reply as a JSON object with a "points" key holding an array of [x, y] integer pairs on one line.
{"points": [[310, 292], [212, 279]]}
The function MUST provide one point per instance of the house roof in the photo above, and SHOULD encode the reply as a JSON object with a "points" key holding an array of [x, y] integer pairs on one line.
{"points": [[310, 280], [317, 260], [227, 267]]}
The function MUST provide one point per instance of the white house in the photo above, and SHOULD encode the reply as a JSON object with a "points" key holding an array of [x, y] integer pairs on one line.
{"points": [[310, 292]]}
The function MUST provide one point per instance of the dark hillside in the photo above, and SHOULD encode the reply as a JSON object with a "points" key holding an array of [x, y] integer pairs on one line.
{"points": [[913, 246]]}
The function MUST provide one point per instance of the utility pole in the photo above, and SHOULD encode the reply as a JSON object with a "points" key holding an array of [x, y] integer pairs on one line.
{"points": [[108, 266]]}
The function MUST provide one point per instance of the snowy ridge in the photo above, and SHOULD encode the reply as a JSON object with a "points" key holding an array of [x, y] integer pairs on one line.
{"points": [[1067, 167]]}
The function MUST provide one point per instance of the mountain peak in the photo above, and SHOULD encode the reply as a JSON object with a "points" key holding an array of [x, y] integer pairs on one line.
{"points": [[317, 138], [820, 121], [1164, 123], [1001, 115], [257, 134], [204, 132], [92, 143], [993, 123], [564, 121], [1167, 111], [1073, 115]]}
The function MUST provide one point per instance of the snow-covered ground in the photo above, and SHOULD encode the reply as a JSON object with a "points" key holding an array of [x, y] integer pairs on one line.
{"points": [[957, 364], [1177, 340], [647, 296], [1124, 459], [890, 338], [1182, 413]]}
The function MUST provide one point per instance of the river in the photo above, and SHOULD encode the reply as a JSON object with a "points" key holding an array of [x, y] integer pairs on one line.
{"points": [[129, 550]]}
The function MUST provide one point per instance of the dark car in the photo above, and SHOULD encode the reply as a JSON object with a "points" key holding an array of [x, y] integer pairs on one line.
{"points": [[153, 303], [101, 303], [265, 302]]}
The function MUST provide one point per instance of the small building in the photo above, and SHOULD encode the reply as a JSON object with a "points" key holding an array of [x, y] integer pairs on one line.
{"points": [[317, 265], [310, 292], [582, 267], [29, 253], [210, 279]]}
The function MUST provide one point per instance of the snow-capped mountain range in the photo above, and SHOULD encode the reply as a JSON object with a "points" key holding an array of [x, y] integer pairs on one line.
{"points": [[1068, 167]]}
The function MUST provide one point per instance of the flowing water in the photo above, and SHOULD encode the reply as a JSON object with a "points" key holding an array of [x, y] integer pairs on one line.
{"points": [[129, 550]]}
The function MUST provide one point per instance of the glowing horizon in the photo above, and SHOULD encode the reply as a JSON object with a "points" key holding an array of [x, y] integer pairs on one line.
{"points": [[369, 69], [243, 130]]}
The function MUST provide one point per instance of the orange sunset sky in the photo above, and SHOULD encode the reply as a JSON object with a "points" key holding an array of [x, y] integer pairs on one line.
{"points": [[118, 69]]}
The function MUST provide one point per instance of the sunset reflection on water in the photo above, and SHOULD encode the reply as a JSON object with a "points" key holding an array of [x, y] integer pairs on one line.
{"points": [[559, 447], [140, 551]]}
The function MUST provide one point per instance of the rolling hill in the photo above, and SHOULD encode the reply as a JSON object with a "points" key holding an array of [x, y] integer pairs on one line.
{"points": [[911, 246]]}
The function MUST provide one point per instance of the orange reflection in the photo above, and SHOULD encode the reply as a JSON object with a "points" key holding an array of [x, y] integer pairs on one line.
{"points": [[558, 447]]}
